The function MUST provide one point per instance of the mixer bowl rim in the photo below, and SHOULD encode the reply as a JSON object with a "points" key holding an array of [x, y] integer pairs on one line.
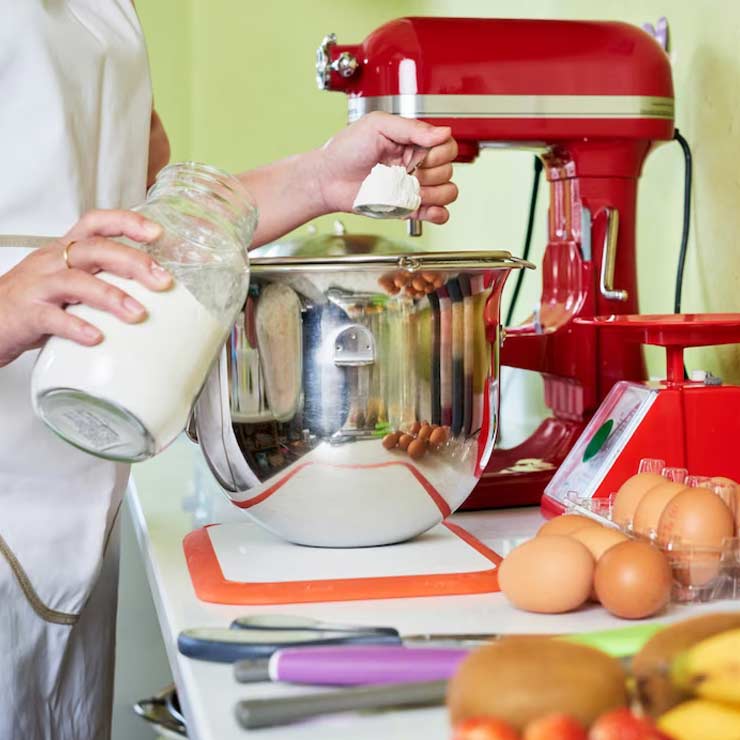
{"points": [[466, 260]]}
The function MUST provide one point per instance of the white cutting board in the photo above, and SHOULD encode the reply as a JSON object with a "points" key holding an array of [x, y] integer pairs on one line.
{"points": [[248, 553]]}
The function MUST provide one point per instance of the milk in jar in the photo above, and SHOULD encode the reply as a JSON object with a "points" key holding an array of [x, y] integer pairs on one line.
{"points": [[130, 396]]}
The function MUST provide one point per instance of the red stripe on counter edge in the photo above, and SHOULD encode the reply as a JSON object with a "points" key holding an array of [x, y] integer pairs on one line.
{"points": [[434, 494]]}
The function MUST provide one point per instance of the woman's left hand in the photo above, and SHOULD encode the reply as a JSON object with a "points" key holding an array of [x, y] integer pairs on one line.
{"points": [[383, 138]]}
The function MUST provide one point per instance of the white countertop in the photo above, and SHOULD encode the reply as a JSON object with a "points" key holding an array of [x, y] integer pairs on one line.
{"points": [[175, 494]]}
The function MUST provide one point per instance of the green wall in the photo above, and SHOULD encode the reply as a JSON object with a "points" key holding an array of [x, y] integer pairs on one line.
{"points": [[234, 83], [234, 80]]}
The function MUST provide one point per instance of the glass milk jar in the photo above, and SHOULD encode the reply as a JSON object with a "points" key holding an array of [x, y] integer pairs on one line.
{"points": [[129, 396]]}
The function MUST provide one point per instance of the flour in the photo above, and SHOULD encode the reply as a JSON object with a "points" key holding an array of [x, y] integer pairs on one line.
{"points": [[153, 370], [388, 191]]}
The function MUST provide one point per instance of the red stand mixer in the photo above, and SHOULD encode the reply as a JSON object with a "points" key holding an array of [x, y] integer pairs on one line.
{"points": [[593, 98]]}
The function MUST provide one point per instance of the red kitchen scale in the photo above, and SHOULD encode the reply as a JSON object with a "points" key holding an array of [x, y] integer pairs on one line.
{"points": [[693, 424]]}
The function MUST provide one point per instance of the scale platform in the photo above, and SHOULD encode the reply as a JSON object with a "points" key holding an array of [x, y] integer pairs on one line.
{"points": [[241, 563]]}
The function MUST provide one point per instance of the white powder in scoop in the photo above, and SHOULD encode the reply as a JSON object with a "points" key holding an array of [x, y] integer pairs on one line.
{"points": [[387, 189]]}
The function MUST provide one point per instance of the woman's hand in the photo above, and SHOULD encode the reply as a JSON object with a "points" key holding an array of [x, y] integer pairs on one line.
{"points": [[383, 138], [295, 190], [34, 293]]}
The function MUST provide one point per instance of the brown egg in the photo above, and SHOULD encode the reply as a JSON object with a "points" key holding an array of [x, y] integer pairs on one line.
{"points": [[729, 483], [648, 511], [565, 524], [400, 279], [548, 574], [598, 540], [630, 494], [633, 580], [425, 432], [696, 518], [386, 282], [439, 437], [404, 441], [417, 449], [391, 440], [695, 568], [415, 427]]}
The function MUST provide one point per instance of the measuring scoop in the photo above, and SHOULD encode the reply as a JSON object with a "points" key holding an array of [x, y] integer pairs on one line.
{"points": [[412, 158]]}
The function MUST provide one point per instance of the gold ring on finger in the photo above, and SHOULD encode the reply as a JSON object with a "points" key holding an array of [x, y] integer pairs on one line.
{"points": [[65, 253]]}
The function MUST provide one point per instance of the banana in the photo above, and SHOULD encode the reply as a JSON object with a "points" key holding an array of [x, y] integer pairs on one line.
{"points": [[711, 668], [699, 719]]}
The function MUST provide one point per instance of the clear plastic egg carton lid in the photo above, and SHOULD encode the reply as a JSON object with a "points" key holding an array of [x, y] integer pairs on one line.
{"points": [[700, 574]]}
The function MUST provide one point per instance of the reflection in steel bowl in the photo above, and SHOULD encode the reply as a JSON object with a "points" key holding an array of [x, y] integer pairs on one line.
{"points": [[356, 402]]}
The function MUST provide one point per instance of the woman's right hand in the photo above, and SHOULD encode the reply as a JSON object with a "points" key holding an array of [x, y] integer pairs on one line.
{"points": [[34, 293]]}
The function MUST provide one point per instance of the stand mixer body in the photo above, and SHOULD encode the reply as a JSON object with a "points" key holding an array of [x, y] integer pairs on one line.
{"points": [[592, 98]]}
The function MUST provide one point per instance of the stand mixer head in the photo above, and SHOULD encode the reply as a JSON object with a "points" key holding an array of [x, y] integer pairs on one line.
{"points": [[592, 98]]}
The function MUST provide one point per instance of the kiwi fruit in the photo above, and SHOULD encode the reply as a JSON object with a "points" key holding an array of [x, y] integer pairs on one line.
{"points": [[518, 679], [651, 666]]}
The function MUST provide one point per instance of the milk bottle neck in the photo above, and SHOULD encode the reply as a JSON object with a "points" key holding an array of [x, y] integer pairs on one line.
{"points": [[211, 208]]}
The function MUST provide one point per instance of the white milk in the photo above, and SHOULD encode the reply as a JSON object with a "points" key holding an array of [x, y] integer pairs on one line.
{"points": [[153, 369]]}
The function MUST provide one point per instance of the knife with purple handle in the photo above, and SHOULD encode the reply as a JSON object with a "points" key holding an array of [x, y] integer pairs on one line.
{"points": [[352, 665]]}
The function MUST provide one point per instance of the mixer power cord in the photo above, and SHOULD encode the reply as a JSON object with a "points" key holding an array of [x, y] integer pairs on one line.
{"points": [[527, 238], [688, 176]]}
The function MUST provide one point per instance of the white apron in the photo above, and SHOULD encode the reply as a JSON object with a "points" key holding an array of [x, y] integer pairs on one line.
{"points": [[75, 105]]}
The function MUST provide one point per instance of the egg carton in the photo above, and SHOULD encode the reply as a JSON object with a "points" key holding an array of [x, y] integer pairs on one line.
{"points": [[700, 574]]}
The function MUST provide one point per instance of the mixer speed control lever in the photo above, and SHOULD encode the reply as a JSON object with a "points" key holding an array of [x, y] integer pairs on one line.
{"points": [[609, 258]]}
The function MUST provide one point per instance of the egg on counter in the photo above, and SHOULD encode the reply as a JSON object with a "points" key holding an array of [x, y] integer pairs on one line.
{"points": [[566, 524], [633, 580], [647, 514], [599, 539], [696, 518], [549, 574], [630, 494]]}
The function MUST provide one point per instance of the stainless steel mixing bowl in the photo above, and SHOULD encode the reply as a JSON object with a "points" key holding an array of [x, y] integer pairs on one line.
{"points": [[332, 358]]}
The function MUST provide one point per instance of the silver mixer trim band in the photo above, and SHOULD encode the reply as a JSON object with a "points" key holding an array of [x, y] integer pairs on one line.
{"points": [[514, 106]]}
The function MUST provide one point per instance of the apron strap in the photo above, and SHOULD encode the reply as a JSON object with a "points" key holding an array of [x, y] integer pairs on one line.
{"points": [[25, 241], [41, 609]]}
